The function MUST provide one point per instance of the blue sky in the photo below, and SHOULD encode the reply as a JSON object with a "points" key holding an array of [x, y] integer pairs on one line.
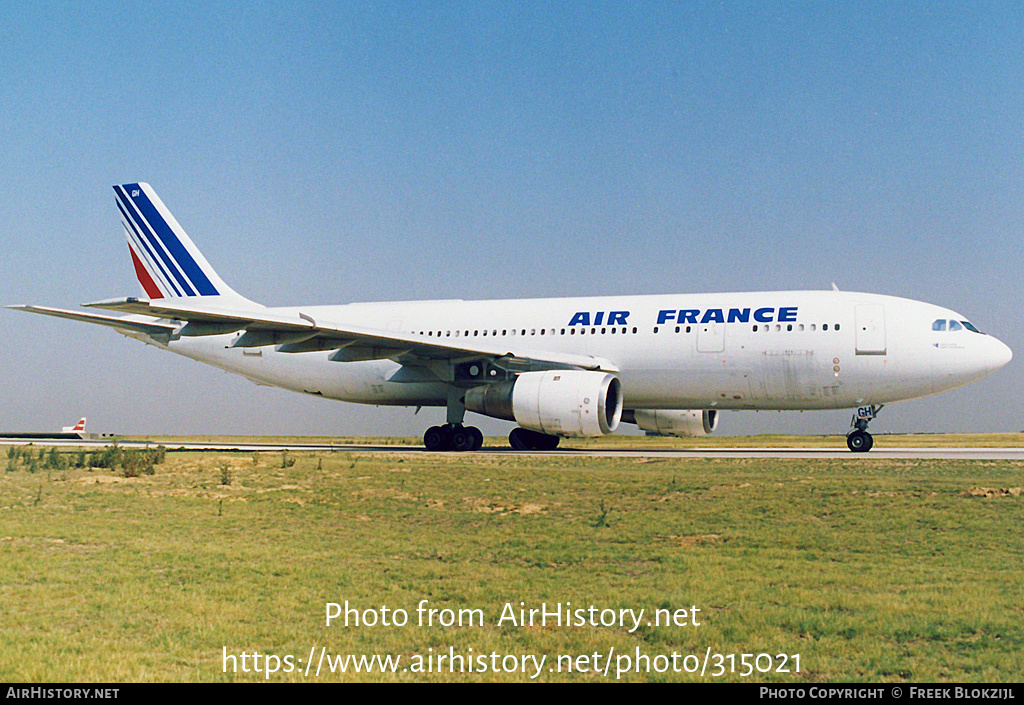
{"points": [[336, 152]]}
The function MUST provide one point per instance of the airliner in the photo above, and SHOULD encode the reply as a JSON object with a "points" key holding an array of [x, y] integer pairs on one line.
{"points": [[557, 367]]}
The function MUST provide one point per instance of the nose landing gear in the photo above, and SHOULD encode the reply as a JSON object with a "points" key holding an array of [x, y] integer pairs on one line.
{"points": [[859, 440]]}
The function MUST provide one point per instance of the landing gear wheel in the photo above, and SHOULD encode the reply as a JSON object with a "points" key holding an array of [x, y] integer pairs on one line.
{"points": [[517, 439], [545, 442], [477, 436], [461, 439], [860, 441], [453, 437], [524, 439], [436, 438]]}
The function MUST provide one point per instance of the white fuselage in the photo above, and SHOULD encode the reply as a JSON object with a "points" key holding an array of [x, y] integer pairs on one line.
{"points": [[757, 350]]}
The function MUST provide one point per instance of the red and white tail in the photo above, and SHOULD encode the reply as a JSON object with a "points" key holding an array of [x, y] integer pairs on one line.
{"points": [[77, 428]]}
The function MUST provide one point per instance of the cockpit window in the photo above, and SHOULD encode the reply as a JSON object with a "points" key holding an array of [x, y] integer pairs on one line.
{"points": [[940, 325]]}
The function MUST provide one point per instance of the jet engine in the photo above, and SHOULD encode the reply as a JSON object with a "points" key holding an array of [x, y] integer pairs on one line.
{"points": [[568, 403], [674, 422]]}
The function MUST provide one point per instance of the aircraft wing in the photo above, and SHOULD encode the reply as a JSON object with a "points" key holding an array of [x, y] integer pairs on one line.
{"points": [[294, 333]]}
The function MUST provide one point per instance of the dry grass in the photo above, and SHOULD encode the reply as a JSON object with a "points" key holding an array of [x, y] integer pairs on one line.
{"points": [[871, 570]]}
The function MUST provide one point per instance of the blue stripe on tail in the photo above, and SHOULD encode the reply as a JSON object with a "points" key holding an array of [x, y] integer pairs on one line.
{"points": [[142, 238], [179, 261]]}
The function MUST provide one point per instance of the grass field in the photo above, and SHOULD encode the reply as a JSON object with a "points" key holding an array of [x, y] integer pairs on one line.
{"points": [[867, 570]]}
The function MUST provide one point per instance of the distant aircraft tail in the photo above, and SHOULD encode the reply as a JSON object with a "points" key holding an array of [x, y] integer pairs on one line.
{"points": [[167, 262], [77, 428]]}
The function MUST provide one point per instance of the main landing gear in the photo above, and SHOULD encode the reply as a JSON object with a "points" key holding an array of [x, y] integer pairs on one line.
{"points": [[859, 440], [459, 438], [453, 436]]}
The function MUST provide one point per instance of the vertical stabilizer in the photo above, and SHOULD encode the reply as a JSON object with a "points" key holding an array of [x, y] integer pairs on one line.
{"points": [[77, 428], [167, 262]]}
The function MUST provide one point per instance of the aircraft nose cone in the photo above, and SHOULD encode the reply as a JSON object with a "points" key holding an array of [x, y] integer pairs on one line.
{"points": [[999, 355]]}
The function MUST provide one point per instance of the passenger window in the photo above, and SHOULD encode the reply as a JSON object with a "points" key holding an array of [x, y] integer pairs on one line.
{"points": [[953, 325], [939, 325]]}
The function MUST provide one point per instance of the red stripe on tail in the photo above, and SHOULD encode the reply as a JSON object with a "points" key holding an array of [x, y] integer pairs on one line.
{"points": [[150, 287]]}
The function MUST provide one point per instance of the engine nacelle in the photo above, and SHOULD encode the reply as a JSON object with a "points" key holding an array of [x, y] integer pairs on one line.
{"points": [[676, 422], [568, 403]]}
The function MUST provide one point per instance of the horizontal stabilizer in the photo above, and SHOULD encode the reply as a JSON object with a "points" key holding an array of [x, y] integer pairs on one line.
{"points": [[148, 328]]}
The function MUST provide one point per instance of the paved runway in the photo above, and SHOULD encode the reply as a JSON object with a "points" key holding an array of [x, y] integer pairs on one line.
{"points": [[919, 453], [819, 453]]}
